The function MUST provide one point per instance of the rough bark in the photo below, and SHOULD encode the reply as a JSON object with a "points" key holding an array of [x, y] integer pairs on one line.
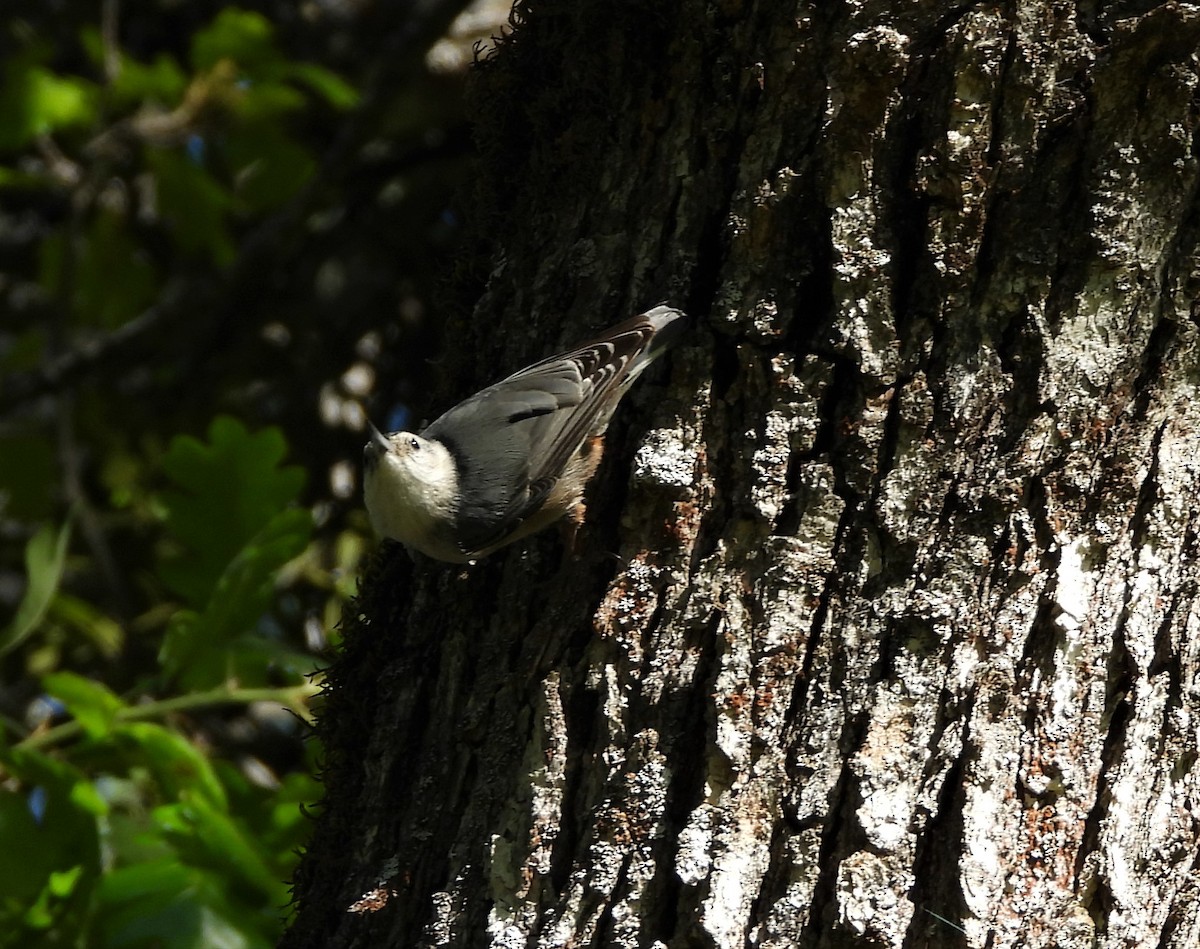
{"points": [[900, 644]]}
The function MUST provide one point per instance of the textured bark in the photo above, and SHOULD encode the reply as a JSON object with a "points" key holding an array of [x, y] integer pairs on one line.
{"points": [[900, 644]]}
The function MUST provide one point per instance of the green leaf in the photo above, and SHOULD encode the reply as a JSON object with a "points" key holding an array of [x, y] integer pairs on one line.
{"points": [[247, 40], [15, 178], [129, 836], [230, 489], [86, 797], [208, 837], [194, 204], [279, 819], [48, 827], [114, 279], [44, 557], [177, 765], [54, 913], [194, 649], [288, 823], [271, 167], [136, 883], [92, 704], [169, 906], [161, 81], [62, 883], [35, 101], [102, 631], [245, 37], [330, 86], [261, 100], [19, 879]]}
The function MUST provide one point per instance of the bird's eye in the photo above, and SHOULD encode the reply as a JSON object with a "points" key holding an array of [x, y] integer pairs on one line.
{"points": [[414, 443]]}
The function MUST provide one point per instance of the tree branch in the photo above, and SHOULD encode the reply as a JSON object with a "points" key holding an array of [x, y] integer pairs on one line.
{"points": [[293, 698]]}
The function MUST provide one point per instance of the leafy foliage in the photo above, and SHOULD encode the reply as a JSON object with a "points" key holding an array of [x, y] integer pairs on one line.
{"points": [[35, 101], [44, 556], [195, 256], [141, 839], [233, 482]]}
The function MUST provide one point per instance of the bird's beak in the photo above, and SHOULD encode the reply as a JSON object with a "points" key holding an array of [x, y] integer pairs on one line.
{"points": [[378, 440]]}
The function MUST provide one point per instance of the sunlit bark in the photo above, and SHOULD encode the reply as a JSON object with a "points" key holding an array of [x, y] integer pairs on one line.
{"points": [[900, 643]]}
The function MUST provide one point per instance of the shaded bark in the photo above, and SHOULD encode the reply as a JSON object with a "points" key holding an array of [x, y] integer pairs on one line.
{"points": [[899, 647]]}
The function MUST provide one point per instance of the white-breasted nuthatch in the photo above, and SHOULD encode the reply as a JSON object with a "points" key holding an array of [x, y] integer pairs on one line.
{"points": [[515, 457]]}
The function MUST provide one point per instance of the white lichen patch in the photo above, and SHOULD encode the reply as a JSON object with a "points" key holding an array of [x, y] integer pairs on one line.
{"points": [[693, 861], [871, 900], [742, 857], [665, 459], [770, 465], [888, 767], [1076, 584], [789, 426]]}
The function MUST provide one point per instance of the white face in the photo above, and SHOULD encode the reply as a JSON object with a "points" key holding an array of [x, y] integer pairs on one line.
{"points": [[405, 455], [410, 485]]}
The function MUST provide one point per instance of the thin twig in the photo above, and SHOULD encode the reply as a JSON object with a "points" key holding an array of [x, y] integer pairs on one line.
{"points": [[293, 698], [108, 32]]}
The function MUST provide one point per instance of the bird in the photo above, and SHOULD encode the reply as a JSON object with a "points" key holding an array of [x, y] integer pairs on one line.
{"points": [[515, 457]]}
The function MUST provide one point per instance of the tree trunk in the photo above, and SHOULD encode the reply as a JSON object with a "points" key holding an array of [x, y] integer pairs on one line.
{"points": [[899, 647]]}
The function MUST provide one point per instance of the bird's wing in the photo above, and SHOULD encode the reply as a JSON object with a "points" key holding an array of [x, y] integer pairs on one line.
{"points": [[512, 440]]}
